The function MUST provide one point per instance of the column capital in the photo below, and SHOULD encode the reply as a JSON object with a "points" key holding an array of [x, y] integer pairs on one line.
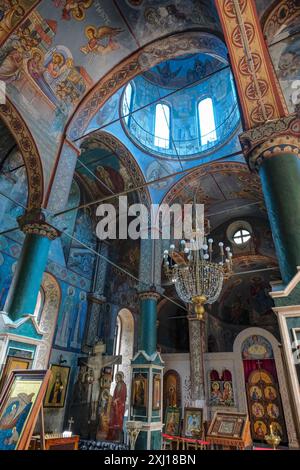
{"points": [[273, 137], [149, 295], [34, 222], [96, 298]]}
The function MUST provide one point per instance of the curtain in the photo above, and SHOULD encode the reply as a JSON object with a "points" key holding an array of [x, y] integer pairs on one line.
{"points": [[253, 364]]}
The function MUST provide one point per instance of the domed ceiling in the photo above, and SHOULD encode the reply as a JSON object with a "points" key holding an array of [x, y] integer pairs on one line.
{"points": [[183, 71]]}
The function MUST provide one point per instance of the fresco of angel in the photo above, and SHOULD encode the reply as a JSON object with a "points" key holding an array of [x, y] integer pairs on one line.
{"points": [[100, 40]]}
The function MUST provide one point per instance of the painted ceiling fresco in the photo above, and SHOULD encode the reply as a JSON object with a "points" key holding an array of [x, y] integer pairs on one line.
{"points": [[54, 52], [61, 49], [227, 190]]}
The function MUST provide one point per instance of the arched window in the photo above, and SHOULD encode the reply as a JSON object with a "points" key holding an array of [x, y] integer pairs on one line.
{"points": [[207, 121], [233, 86], [127, 102], [117, 340], [39, 306], [162, 126]]}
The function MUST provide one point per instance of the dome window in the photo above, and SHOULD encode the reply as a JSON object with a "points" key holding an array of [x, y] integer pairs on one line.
{"points": [[127, 102], [207, 124], [162, 126]]}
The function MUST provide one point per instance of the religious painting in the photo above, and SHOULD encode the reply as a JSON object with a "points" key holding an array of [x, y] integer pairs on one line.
{"points": [[172, 389], [172, 421], [11, 14], [20, 403], [257, 347], [221, 389], [245, 300], [228, 425], [264, 405], [139, 390], [193, 422], [73, 9], [117, 409], [101, 40], [14, 363], [156, 393], [57, 388]]}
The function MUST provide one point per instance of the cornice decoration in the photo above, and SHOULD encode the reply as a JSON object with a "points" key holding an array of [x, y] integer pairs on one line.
{"points": [[44, 230], [35, 223], [270, 139], [29, 152], [149, 295]]}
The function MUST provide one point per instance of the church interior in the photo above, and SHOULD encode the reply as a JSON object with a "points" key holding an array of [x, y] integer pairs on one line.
{"points": [[151, 342]]}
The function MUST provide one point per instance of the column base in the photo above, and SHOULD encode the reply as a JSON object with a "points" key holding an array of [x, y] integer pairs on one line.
{"points": [[147, 399], [150, 437], [23, 335]]}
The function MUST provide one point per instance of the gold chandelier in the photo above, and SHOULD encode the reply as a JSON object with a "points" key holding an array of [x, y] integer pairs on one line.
{"points": [[197, 272]]}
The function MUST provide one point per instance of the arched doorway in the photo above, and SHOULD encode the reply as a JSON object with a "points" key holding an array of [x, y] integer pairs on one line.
{"points": [[124, 347], [46, 312]]}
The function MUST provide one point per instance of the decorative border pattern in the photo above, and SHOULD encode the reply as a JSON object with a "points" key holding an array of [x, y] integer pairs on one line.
{"points": [[149, 295], [29, 152], [279, 136], [260, 95], [145, 58], [279, 17]]}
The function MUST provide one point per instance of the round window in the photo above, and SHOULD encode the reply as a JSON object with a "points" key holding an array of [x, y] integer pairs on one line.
{"points": [[241, 236]]}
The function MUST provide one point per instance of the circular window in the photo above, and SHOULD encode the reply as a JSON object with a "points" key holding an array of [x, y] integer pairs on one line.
{"points": [[241, 236], [239, 232]]}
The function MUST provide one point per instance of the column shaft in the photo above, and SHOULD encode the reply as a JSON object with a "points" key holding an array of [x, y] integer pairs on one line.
{"points": [[148, 317], [28, 276], [280, 178]]}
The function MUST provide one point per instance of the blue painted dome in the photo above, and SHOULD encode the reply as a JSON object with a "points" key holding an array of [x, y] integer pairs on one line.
{"points": [[185, 107]]}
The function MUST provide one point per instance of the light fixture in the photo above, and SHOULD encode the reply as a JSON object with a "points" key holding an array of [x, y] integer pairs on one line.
{"points": [[197, 271]]}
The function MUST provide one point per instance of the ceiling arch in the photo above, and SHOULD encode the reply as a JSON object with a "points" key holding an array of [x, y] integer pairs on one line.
{"points": [[125, 161], [27, 146], [279, 16], [227, 190], [142, 60]]}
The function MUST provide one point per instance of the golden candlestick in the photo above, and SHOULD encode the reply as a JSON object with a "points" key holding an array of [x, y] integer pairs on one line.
{"points": [[272, 438]]}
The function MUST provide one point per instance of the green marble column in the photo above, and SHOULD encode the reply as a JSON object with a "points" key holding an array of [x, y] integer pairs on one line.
{"points": [[27, 279], [273, 150], [147, 366], [148, 319], [280, 178]]}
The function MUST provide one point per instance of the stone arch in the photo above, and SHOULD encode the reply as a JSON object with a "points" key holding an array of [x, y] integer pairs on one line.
{"points": [[237, 349], [29, 151], [111, 142], [47, 323], [146, 57], [210, 168], [279, 16]]}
